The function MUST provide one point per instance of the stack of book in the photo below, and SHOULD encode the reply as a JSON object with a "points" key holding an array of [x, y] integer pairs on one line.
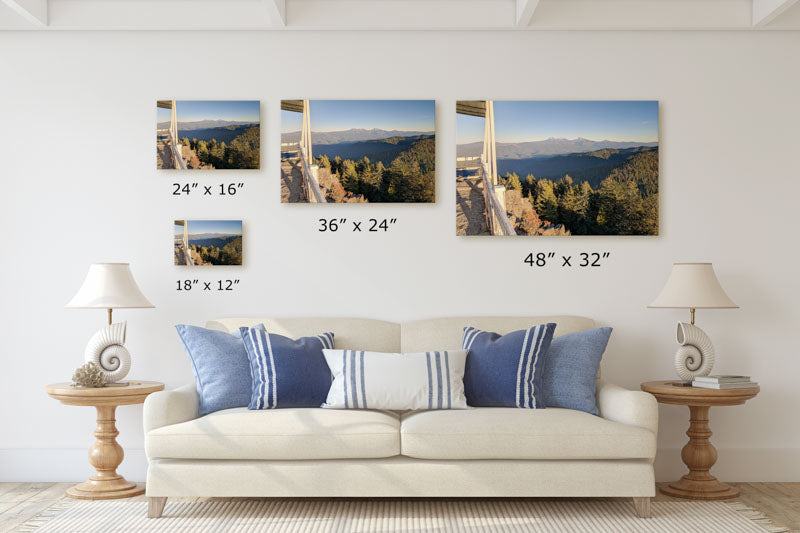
{"points": [[723, 382]]}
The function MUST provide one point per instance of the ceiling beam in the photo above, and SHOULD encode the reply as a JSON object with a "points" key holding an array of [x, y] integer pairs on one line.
{"points": [[277, 10], [34, 11], [372, 15], [161, 15], [616, 15], [525, 9], [765, 11]]}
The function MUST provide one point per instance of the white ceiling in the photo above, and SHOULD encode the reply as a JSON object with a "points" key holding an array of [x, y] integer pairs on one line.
{"points": [[399, 14]]}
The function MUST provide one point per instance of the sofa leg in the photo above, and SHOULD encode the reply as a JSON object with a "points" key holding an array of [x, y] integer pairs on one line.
{"points": [[642, 506], [155, 506]]}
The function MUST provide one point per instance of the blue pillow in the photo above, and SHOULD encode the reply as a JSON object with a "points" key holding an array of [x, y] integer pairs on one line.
{"points": [[506, 371], [220, 365], [570, 369], [286, 372]]}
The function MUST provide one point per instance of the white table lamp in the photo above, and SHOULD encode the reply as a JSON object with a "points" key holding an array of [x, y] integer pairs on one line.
{"points": [[109, 286], [693, 286]]}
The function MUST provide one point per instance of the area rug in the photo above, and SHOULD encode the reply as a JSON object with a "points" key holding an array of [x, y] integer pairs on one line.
{"points": [[565, 516]]}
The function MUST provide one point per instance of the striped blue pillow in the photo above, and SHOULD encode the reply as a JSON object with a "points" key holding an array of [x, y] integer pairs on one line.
{"points": [[286, 372], [506, 371]]}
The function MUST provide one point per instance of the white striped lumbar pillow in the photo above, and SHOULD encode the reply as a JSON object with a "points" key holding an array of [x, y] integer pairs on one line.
{"points": [[396, 381]]}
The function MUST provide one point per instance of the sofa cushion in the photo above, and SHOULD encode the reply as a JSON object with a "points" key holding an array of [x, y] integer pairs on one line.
{"points": [[510, 433], [447, 333], [351, 333], [280, 434]]}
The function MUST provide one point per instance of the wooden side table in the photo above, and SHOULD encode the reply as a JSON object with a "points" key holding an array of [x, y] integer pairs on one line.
{"points": [[106, 454], [698, 454]]}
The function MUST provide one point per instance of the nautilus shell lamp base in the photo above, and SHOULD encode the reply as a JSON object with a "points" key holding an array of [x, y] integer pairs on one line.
{"points": [[107, 350], [695, 355]]}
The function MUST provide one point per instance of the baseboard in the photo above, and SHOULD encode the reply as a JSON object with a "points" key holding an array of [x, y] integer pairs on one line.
{"points": [[738, 464], [52, 464], [70, 465]]}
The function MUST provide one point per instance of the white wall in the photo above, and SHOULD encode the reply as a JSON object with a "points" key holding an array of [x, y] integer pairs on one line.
{"points": [[79, 185]]}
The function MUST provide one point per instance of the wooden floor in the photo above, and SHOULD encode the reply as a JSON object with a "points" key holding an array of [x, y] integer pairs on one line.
{"points": [[21, 501]]}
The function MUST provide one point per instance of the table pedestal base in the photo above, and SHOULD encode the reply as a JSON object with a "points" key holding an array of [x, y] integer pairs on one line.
{"points": [[105, 456], [106, 490], [710, 489], [699, 455]]}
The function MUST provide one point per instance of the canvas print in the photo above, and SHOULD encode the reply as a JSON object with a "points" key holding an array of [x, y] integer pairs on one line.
{"points": [[208, 242], [208, 134], [556, 167], [357, 151]]}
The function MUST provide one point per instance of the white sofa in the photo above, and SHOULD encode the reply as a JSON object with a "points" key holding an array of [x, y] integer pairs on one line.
{"points": [[480, 452]]}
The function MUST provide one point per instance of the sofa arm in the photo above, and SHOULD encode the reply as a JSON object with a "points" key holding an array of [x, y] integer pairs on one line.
{"points": [[170, 407], [635, 408]]}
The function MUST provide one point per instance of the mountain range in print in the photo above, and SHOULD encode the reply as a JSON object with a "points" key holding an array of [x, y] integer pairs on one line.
{"points": [[208, 134], [208, 242], [360, 151], [565, 167]]}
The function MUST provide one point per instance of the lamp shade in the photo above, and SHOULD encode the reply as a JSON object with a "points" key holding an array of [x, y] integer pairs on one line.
{"points": [[693, 286], [109, 286]]}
